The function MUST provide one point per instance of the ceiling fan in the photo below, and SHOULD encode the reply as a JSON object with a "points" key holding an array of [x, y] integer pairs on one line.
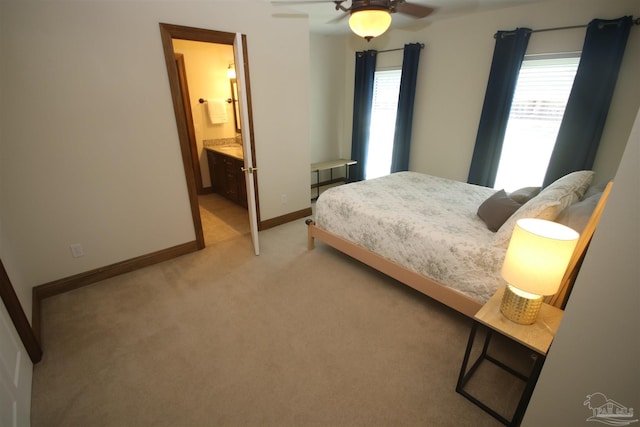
{"points": [[371, 18]]}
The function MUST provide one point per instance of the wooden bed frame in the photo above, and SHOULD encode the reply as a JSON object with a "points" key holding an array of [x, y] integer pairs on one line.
{"points": [[444, 294]]}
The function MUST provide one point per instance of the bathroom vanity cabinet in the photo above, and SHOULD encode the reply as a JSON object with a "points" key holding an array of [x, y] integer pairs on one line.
{"points": [[227, 177]]}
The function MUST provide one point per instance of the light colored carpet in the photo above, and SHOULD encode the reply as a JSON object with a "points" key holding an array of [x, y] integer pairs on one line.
{"points": [[224, 338]]}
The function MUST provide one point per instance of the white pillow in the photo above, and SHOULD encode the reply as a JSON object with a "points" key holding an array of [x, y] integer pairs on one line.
{"points": [[552, 200]]}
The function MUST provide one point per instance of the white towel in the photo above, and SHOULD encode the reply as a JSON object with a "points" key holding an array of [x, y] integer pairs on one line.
{"points": [[217, 111]]}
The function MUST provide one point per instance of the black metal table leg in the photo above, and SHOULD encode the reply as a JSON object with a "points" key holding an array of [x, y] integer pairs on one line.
{"points": [[465, 376], [528, 391]]}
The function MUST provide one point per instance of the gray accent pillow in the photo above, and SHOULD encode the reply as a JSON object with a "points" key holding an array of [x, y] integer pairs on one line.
{"points": [[577, 215], [595, 189], [525, 194], [497, 209]]}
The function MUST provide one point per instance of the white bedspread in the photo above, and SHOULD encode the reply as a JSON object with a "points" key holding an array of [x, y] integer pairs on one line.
{"points": [[424, 223]]}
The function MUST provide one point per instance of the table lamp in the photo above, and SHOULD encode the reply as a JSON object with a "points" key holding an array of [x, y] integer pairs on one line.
{"points": [[535, 263]]}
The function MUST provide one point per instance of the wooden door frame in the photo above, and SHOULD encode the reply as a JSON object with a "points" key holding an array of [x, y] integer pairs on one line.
{"points": [[193, 147], [19, 319], [169, 32]]}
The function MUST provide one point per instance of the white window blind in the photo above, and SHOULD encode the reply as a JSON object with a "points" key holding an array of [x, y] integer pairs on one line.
{"points": [[543, 88], [539, 101], [386, 87]]}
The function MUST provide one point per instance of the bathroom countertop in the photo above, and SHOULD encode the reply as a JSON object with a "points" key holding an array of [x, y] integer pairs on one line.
{"points": [[231, 150]]}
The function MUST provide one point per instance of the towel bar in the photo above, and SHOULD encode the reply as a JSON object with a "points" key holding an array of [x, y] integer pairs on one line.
{"points": [[202, 100]]}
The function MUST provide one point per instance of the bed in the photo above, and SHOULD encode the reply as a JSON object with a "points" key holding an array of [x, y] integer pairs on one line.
{"points": [[445, 238]]}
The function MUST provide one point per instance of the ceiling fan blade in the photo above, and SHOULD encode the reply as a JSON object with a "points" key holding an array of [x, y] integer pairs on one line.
{"points": [[338, 18], [302, 2], [413, 9], [298, 2], [290, 15]]}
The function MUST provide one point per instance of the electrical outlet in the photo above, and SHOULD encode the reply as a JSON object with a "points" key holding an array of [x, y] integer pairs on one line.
{"points": [[283, 199], [76, 250]]}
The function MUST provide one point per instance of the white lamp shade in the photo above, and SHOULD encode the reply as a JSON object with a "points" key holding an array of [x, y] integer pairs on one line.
{"points": [[370, 23], [538, 255]]}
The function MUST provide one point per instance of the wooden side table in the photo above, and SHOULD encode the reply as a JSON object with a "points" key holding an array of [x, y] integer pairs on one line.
{"points": [[536, 337]]}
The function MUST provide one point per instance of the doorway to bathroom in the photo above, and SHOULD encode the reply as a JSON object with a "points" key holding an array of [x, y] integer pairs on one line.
{"points": [[209, 114]]}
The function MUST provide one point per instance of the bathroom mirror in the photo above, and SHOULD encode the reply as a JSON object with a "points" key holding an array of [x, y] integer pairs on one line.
{"points": [[236, 105]]}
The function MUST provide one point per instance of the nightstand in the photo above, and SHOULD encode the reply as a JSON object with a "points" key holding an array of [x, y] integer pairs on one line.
{"points": [[536, 338]]}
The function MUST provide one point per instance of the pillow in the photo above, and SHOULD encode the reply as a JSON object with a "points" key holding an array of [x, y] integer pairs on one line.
{"points": [[575, 180], [568, 189], [577, 215], [552, 200], [543, 209], [525, 194], [497, 209], [595, 188]]}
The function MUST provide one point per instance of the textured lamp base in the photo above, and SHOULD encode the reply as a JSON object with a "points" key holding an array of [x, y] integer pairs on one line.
{"points": [[518, 308]]}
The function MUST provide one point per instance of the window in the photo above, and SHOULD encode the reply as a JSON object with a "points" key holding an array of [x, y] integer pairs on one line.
{"points": [[541, 95], [386, 87]]}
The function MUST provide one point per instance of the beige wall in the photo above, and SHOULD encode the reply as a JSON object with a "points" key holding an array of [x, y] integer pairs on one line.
{"points": [[206, 68], [328, 106], [332, 97], [89, 150], [454, 68]]}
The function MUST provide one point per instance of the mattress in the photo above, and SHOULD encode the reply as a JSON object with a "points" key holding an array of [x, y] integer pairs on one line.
{"points": [[424, 223]]}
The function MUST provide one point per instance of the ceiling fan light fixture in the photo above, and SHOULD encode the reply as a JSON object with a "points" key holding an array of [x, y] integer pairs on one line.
{"points": [[370, 23]]}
